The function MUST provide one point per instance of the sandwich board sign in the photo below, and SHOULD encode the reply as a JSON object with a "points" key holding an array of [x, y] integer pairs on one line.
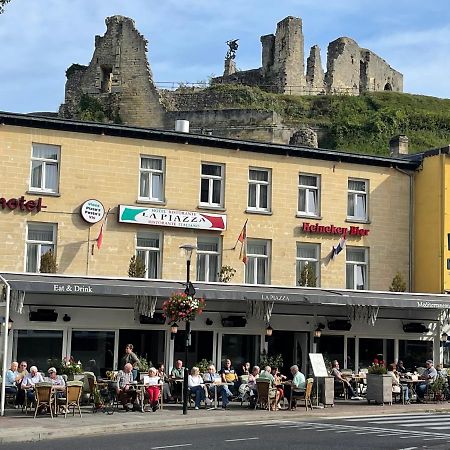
{"points": [[318, 365]]}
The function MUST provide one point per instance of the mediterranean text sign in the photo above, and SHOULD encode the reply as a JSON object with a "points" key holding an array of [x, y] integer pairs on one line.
{"points": [[172, 218], [92, 211]]}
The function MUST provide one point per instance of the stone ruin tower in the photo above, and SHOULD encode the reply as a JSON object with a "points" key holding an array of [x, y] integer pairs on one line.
{"points": [[350, 69], [118, 76]]}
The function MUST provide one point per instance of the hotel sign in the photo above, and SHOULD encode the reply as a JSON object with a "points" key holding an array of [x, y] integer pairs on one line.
{"points": [[315, 228], [22, 204], [172, 218]]}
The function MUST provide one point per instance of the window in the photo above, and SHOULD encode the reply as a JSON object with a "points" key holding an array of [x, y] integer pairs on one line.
{"points": [[148, 250], [45, 168], [309, 195], [208, 259], [357, 200], [257, 267], [259, 189], [308, 257], [211, 188], [151, 179], [40, 240], [356, 267]]}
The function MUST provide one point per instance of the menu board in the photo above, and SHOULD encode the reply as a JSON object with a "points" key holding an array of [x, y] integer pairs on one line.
{"points": [[318, 365]]}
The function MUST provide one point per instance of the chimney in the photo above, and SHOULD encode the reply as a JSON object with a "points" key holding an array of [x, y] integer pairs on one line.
{"points": [[398, 145], [182, 126]]}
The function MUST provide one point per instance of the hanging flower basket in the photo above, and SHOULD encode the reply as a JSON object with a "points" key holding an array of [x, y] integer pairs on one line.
{"points": [[182, 307]]}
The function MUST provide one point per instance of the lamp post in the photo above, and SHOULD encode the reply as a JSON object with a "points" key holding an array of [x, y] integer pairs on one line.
{"points": [[190, 291], [444, 337]]}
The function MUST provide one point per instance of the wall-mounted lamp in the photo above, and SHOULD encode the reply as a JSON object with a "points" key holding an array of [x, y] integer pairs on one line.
{"points": [[269, 330], [318, 330], [67, 318], [173, 330], [209, 321], [444, 337]]}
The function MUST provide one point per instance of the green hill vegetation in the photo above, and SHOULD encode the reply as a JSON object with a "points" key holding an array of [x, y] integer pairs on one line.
{"points": [[362, 124]]}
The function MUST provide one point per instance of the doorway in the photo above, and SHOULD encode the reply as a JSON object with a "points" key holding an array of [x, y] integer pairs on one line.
{"points": [[201, 347]]}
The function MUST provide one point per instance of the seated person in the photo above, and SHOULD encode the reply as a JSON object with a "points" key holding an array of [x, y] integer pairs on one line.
{"points": [[296, 387], [196, 386], [245, 369], [124, 390], [266, 375], [56, 380], [212, 378], [167, 396], [397, 388], [339, 381], [252, 385], [177, 373], [401, 368], [29, 382], [22, 373], [11, 378], [229, 376], [279, 379], [428, 375], [153, 387]]}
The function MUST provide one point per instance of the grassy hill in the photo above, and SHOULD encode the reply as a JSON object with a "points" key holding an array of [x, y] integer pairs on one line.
{"points": [[359, 124]]}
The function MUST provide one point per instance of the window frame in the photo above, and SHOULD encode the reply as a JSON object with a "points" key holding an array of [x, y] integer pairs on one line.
{"points": [[211, 179], [45, 226], [258, 184], [355, 193], [142, 170], [316, 261], [207, 254], [148, 250], [252, 259], [363, 264], [44, 163], [316, 189]]}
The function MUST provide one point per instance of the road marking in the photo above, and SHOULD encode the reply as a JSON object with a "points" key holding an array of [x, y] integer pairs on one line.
{"points": [[426, 424], [435, 438], [412, 422], [388, 417], [407, 448], [171, 446], [442, 427], [242, 439]]}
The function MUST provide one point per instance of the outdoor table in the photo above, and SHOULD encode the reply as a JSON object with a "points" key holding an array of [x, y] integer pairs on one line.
{"points": [[356, 380], [411, 385]]}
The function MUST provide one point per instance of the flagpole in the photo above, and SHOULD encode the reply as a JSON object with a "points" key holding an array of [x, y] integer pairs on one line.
{"points": [[237, 240], [88, 250]]}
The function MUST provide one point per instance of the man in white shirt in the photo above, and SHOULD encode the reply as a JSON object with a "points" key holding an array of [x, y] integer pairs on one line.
{"points": [[212, 379], [30, 380]]}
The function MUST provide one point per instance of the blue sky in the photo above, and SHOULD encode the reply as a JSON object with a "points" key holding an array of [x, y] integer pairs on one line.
{"points": [[39, 39]]}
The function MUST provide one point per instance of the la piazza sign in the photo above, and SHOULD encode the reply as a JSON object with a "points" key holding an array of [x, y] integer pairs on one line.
{"points": [[172, 218], [315, 228]]}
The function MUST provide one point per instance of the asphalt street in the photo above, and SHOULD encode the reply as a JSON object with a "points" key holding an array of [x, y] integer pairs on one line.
{"points": [[400, 432]]}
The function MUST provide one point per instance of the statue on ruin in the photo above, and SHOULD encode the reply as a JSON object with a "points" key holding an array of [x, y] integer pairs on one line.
{"points": [[232, 48]]}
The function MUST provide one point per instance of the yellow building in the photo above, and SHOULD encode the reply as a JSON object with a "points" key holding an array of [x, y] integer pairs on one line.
{"points": [[164, 189], [432, 223]]}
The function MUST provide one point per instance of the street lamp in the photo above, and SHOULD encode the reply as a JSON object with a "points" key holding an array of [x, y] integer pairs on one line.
{"points": [[190, 291], [173, 330]]}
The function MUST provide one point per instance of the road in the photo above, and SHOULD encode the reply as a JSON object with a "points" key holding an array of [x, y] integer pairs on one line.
{"points": [[399, 432]]}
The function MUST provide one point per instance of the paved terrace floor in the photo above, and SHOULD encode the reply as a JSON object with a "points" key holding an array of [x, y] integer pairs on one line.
{"points": [[16, 426]]}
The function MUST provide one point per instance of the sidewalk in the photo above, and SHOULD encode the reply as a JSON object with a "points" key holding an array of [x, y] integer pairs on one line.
{"points": [[18, 427]]}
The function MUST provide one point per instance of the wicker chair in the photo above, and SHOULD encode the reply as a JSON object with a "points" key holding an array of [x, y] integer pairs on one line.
{"points": [[71, 397], [44, 397], [266, 396]]}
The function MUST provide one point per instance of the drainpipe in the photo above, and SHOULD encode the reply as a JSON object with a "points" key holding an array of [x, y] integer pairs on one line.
{"points": [[5, 346], [442, 224], [411, 225]]}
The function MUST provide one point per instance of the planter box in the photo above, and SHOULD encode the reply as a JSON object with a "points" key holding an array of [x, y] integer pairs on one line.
{"points": [[326, 385], [379, 389]]}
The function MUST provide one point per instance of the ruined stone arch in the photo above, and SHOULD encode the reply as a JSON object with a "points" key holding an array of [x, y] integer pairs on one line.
{"points": [[388, 87]]}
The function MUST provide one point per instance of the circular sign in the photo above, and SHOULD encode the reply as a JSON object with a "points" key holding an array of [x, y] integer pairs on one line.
{"points": [[92, 211]]}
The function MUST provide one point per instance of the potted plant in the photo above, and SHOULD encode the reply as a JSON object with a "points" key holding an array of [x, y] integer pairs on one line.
{"points": [[379, 385], [182, 307], [71, 368], [437, 387]]}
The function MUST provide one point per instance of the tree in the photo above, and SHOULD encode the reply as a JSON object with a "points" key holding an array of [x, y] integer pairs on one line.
{"points": [[2, 5], [48, 263], [398, 283], [308, 276], [136, 268]]}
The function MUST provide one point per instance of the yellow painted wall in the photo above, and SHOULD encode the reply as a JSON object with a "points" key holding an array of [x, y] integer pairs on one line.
{"points": [[428, 235], [107, 168]]}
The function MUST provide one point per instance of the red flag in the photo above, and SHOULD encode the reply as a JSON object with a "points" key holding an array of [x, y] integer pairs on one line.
{"points": [[243, 236], [243, 240], [100, 234]]}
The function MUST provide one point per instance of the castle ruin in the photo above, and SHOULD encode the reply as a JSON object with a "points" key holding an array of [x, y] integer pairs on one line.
{"points": [[119, 79]]}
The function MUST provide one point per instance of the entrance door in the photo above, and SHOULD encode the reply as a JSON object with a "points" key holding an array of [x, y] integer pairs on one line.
{"points": [[300, 351], [201, 347], [282, 343], [148, 344]]}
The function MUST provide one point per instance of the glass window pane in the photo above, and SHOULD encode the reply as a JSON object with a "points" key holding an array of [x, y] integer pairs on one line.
{"points": [[369, 349], [261, 267], [351, 205], [204, 190], [216, 192], [256, 248], [250, 271], [332, 347], [207, 246], [45, 151], [258, 175], [308, 180], [302, 200], [356, 254], [307, 251], [350, 282], [360, 210], [201, 267], [36, 174], [240, 348], [37, 347], [157, 186], [213, 268], [151, 163], [357, 185], [252, 195], [263, 196], [40, 232], [148, 241], [211, 169], [32, 252], [145, 186], [51, 176], [153, 261], [312, 202]]}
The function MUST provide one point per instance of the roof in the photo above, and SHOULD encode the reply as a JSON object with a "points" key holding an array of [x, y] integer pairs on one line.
{"points": [[130, 287], [150, 134]]}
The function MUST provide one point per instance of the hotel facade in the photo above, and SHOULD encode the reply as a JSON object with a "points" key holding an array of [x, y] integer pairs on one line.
{"points": [[160, 190]]}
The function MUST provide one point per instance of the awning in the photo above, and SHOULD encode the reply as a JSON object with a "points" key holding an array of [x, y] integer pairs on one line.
{"points": [[102, 286]]}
